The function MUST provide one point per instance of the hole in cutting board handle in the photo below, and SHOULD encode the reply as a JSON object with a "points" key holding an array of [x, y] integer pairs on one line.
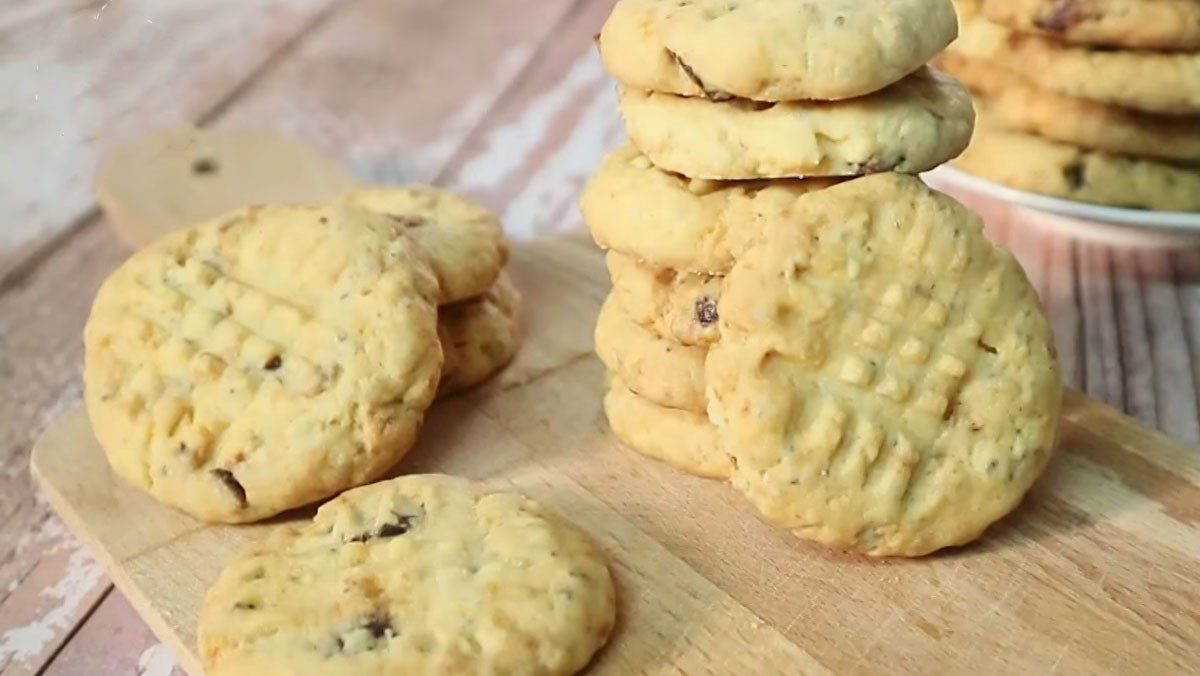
{"points": [[203, 166]]}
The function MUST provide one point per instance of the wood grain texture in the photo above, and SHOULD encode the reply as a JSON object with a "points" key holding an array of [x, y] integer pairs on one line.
{"points": [[1093, 574], [378, 85], [393, 89], [79, 76], [47, 580], [531, 155], [114, 641], [1125, 320]]}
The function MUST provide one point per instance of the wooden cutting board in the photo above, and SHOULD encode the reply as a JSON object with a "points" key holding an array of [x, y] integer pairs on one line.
{"points": [[1098, 572]]}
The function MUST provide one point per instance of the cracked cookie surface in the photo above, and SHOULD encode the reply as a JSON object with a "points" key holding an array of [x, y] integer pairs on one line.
{"points": [[671, 221], [885, 379], [1030, 162], [479, 335], [466, 246], [424, 574], [1010, 101], [686, 440], [658, 369], [1133, 24], [681, 306], [1151, 81], [772, 50], [912, 126], [263, 360]]}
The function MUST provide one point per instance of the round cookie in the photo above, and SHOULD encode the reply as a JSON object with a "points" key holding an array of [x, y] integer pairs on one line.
{"points": [[1157, 82], [664, 372], [467, 248], [912, 126], [168, 180], [263, 360], [479, 336], [682, 439], [1132, 24], [772, 50], [885, 380], [1013, 104], [681, 306], [671, 221], [1029, 162], [425, 574]]}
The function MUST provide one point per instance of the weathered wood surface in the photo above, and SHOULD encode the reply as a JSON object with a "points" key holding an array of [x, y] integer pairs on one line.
{"points": [[79, 76], [1092, 575], [374, 83], [505, 100]]}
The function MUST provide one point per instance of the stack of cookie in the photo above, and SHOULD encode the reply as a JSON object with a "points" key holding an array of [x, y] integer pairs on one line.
{"points": [[1090, 100], [791, 307], [732, 113], [478, 306], [277, 355]]}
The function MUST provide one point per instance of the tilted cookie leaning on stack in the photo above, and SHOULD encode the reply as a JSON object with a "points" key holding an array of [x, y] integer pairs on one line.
{"points": [[1092, 100], [791, 309]]}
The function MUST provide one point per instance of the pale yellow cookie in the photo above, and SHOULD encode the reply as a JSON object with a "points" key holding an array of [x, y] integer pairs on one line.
{"points": [[681, 306], [425, 574], [1014, 104], [167, 180], [467, 249], [682, 439], [1029, 162], [912, 126], [665, 372], [479, 335], [772, 50], [263, 360], [670, 221], [885, 379], [1158, 82], [1133, 24]]}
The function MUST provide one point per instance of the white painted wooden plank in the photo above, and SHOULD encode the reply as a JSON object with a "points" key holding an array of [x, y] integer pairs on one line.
{"points": [[1103, 376], [391, 89], [1136, 360], [1062, 305], [1174, 388], [114, 640], [78, 76]]}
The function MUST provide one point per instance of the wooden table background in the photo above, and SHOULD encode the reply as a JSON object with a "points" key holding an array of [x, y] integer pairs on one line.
{"points": [[502, 99]]}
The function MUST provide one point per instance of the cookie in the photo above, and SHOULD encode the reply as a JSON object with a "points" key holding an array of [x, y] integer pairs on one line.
{"points": [[479, 336], [467, 247], [425, 574], [662, 371], [167, 180], [681, 306], [670, 221], [1015, 105], [912, 126], [263, 360], [1132, 24], [772, 50], [682, 439], [1029, 162], [885, 380], [1157, 82]]}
